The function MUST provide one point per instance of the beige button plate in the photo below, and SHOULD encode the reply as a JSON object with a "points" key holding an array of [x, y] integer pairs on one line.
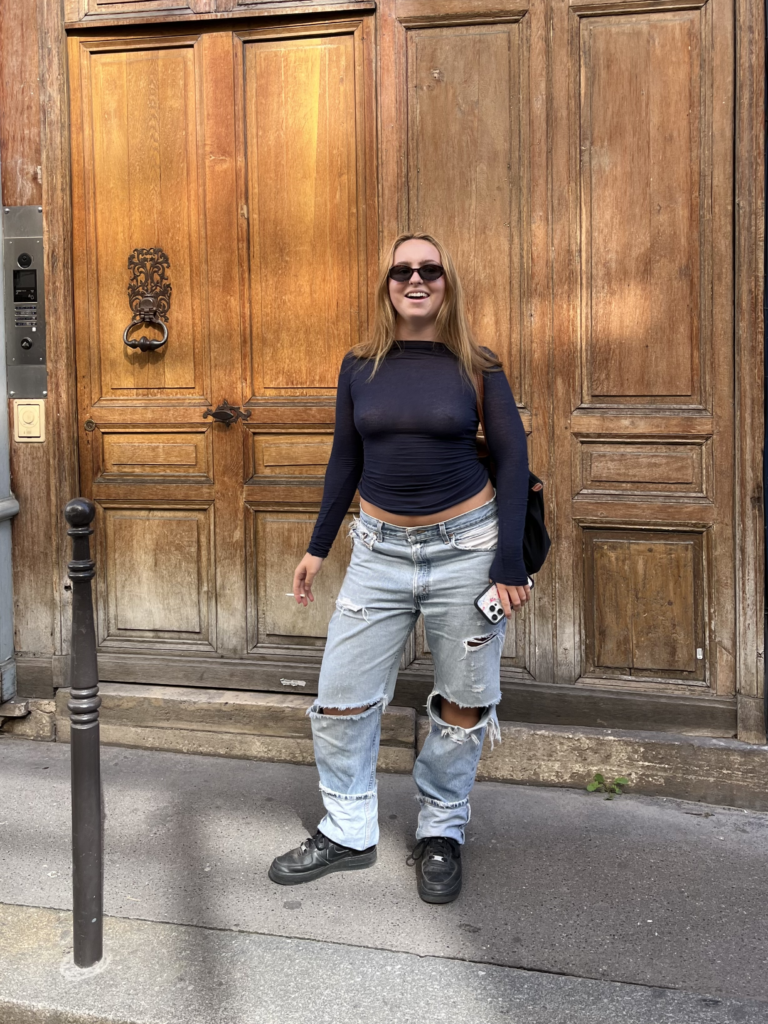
{"points": [[29, 419]]}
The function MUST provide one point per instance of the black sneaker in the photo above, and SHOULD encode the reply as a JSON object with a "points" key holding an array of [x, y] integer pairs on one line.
{"points": [[316, 857], [440, 875]]}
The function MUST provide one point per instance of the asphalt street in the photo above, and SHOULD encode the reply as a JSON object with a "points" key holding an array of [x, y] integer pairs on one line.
{"points": [[637, 909]]}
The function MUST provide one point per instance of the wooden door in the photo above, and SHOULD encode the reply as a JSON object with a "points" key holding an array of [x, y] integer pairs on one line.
{"points": [[577, 159], [642, 166], [246, 157]]}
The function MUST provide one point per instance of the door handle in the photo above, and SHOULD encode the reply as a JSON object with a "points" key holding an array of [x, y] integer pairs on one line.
{"points": [[227, 414]]}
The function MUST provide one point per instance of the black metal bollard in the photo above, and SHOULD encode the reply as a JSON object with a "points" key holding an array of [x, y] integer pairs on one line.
{"points": [[86, 770]]}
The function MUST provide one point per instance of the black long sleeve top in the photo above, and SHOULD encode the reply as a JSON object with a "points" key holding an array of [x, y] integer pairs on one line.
{"points": [[406, 438]]}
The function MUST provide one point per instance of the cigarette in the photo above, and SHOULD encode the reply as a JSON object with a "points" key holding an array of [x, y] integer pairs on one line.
{"points": [[289, 595]]}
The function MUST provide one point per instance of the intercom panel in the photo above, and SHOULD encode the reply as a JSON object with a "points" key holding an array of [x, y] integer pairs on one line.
{"points": [[24, 283]]}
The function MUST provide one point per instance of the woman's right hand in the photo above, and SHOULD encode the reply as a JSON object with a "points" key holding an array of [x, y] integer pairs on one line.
{"points": [[304, 577]]}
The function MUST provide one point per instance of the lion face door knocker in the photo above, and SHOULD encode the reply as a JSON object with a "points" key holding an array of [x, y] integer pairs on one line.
{"points": [[149, 295]]}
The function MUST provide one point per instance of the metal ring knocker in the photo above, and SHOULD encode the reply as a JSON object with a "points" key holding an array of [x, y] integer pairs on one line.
{"points": [[149, 295]]}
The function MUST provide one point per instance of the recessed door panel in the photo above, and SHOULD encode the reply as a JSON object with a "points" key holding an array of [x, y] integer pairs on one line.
{"points": [[302, 143], [279, 543], [143, 144], [468, 168], [157, 577], [647, 605], [645, 163]]}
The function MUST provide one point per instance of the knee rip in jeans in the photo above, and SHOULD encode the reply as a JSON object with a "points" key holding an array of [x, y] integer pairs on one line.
{"points": [[316, 710], [458, 733]]}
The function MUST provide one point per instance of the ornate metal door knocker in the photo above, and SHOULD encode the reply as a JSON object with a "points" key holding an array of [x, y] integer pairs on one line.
{"points": [[149, 295]]}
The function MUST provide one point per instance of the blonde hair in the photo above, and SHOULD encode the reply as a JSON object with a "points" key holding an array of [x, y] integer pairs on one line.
{"points": [[452, 327]]}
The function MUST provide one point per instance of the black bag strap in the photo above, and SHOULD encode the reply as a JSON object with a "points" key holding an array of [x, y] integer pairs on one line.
{"points": [[536, 542], [480, 380]]}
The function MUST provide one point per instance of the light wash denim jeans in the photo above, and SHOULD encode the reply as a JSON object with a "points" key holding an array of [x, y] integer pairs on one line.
{"points": [[395, 573]]}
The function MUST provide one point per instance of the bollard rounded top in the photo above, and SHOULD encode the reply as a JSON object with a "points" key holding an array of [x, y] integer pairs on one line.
{"points": [[79, 512]]}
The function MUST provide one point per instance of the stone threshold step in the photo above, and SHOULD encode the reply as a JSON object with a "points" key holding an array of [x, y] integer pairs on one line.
{"points": [[227, 723], [274, 727]]}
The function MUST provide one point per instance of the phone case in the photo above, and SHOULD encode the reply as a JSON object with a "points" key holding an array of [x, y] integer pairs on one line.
{"points": [[489, 605]]}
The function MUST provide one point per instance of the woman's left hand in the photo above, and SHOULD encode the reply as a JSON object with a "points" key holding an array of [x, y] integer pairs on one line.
{"points": [[513, 598]]}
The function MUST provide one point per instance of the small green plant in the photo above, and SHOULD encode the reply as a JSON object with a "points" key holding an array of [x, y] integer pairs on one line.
{"points": [[599, 785]]}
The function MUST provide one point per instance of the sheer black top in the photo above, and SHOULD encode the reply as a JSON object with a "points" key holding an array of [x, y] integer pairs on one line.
{"points": [[406, 439]]}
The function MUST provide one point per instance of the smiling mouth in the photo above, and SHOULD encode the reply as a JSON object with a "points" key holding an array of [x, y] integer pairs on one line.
{"points": [[417, 295]]}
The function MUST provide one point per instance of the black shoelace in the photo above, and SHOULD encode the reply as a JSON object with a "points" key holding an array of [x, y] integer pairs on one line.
{"points": [[441, 848], [318, 840]]}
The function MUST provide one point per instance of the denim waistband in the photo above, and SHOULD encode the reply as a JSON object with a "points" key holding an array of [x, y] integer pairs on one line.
{"points": [[434, 531]]}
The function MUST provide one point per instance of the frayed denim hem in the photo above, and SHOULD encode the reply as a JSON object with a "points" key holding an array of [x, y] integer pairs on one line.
{"points": [[442, 819], [370, 795], [439, 803]]}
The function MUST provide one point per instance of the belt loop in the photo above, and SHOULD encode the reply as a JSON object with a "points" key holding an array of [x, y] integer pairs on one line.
{"points": [[444, 533]]}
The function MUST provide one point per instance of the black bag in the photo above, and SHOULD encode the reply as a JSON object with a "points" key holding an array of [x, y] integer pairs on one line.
{"points": [[536, 542]]}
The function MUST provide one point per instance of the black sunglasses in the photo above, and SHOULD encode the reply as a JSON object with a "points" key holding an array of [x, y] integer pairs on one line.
{"points": [[427, 272]]}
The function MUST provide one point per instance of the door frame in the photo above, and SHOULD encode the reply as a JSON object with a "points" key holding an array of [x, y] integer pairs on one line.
{"points": [[58, 478]]}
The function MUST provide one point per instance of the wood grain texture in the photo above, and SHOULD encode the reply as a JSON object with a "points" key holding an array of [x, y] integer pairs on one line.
{"points": [[20, 128], [197, 170], [57, 231], [646, 606], [750, 217], [225, 334], [640, 189], [155, 453], [81, 10], [33, 550], [522, 699], [20, 154], [643, 84], [642, 468], [278, 543], [455, 120], [46, 478], [143, 191], [467, 170], [156, 578], [304, 206], [74, 16], [296, 454]]}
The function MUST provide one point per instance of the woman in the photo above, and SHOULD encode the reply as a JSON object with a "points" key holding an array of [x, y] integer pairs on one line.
{"points": [[430, 536]]}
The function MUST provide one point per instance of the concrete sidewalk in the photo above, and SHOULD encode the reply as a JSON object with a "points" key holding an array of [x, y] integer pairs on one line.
{"points": [[624, 900]]}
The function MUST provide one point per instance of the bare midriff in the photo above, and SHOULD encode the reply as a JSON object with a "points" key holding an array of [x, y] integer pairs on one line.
{"points": [[436, 517]]}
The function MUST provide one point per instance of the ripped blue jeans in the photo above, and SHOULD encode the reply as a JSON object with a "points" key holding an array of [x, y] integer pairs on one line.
{"points": [[396, 573]]}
